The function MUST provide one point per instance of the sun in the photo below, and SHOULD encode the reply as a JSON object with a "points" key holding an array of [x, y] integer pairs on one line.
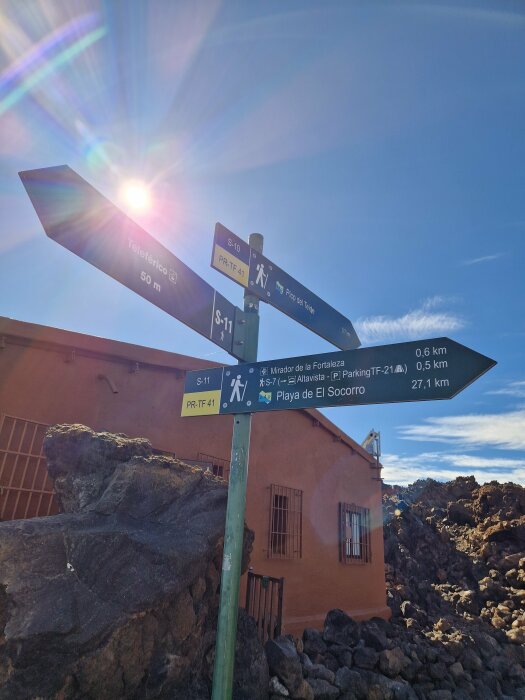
{"points": [[136, 195]]}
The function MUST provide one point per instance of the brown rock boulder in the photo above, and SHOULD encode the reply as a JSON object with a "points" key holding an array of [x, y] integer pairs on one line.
{"points": [[502, 501], [117, 597], [506, 531]]}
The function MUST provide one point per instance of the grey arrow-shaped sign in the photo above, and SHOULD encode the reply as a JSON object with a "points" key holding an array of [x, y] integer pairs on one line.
{"points": [[76, 215], [421, 370]]}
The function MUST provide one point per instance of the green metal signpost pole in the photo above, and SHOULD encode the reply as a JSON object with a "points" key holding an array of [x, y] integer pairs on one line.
{"points": [[234, 528]]}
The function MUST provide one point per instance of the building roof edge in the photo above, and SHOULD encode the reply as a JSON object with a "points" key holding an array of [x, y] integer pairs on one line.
{"points": [[47, 337]]}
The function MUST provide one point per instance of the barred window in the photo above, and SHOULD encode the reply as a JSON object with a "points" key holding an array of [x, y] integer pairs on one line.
{"points": [[26, 490], [286, 523], [217, 470], [218, 466], [354, 527]]}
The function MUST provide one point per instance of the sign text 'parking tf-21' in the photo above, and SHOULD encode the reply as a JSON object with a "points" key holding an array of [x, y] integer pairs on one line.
{"points": [[422, 370], [76, 215], [236, 259]]}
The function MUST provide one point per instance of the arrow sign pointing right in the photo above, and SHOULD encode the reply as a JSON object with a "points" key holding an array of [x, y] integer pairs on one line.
{"points": [[236, 259], [423, 370]]}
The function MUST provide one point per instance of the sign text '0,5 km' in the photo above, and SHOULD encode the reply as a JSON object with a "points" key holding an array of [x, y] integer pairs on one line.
{"points": [[421, 370], [248, 267], [76, 215]]}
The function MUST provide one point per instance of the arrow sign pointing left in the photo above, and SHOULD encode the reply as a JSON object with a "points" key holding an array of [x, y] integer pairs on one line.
{"points": [[76, 215], [422, 370]]}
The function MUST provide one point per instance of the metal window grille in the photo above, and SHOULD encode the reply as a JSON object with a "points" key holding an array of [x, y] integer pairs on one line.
{"points": [[219, 466], [286, 523], [354, 528], [26, 490]]}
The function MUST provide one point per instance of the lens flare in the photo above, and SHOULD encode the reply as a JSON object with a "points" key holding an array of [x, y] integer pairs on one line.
{"points": [[136, 195], [48, 68]]}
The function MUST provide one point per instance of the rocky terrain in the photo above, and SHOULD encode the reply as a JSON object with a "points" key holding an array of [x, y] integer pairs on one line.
{"points": [[457, 550], [117, 596], [455, 556]]}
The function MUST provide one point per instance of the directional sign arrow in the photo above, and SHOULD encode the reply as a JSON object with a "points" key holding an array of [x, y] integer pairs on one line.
{"points": [[422, 370], [76, 215], [236, 259]]}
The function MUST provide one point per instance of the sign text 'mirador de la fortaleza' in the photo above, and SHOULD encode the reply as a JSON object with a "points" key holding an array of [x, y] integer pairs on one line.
{"points": [[422, 370]]}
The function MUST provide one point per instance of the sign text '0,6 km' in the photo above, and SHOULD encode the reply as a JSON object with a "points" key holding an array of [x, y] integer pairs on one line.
{"points": [[421, 370]]}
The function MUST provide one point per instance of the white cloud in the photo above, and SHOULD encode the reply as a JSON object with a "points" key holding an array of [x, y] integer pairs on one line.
{"points": [[450, 11], [484, 258], [500, 430], [512, 389], [468, 461], [402, 469], [413, 325]]}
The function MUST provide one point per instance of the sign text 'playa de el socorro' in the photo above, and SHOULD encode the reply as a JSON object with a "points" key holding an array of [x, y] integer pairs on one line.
{"points": [[421, 370]]}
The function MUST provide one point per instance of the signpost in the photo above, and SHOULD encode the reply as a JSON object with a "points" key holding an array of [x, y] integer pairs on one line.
{"points": [[248, 267], [234, 527], [82, 220], [422, 370], [76, 215]]}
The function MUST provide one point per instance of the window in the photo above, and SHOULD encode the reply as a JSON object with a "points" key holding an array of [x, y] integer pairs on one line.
{"points": [[354, 526], [26, 490], [286, 523], [218, 470], [217, 465]]}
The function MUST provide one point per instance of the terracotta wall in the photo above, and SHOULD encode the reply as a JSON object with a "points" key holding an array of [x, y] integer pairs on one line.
{"points": [[48, 384], [295, 452], [147, 404]]}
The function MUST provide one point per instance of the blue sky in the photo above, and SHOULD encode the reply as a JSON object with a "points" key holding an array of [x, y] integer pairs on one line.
{"points": [[379, 147]]}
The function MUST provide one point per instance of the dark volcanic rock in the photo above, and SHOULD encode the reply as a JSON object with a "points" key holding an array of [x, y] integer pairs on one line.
{"points": [[365, 657], [457, 512], [117, 597], [323, 690], [455, 570], [284, 663], [339, 628], [351, 681], [507, 531], [252, 676], [455, 563], [392, 662], [313, 644], [373, 635]]}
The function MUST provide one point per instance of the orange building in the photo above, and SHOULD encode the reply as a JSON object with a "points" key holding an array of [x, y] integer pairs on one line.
{"points": [[314, 495]]}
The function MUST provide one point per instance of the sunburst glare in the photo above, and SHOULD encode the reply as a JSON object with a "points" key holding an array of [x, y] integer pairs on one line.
{"points": [[136, 195]]}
